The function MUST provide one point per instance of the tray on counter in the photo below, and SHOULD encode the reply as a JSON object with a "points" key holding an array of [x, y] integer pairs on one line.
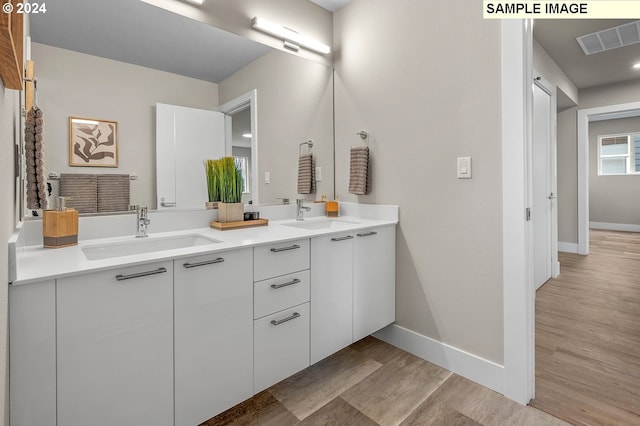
{"points": [[238, 225]]}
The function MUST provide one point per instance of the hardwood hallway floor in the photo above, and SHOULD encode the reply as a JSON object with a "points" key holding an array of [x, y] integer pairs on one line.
{"points": [[588, 334]]}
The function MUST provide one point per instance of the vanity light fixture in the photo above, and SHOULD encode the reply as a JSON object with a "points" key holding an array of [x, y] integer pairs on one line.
{"points": [[198, 2], [292, 39]]}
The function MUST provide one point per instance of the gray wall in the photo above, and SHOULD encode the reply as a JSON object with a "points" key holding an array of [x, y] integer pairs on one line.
{"points": [[611, 94], [403, 74], [612, 199], [76, 84], [295, 104]]}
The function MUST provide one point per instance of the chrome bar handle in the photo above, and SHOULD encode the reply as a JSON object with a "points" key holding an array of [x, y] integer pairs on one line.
{"points": [[367, 234], [167, 204], [288, 283], [121, 277], [278, 322], [348, 237], [205, 262], [293, 247]]}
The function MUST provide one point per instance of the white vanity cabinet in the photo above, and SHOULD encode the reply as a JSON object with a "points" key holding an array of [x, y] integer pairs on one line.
{"points": [[331, 294], [281, 311], [374, 280], [213, 334], [115, 347], [32, 354]]}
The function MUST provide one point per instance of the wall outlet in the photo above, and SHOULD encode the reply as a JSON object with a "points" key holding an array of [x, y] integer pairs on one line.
{"points": [[267, 177]]}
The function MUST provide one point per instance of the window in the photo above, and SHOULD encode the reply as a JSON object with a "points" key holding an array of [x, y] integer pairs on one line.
{"points": [[243, 162], [619, 154]]}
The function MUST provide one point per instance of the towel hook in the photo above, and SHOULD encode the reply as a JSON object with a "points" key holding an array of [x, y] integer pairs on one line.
{"points": [[363, 134], [308, 143]]}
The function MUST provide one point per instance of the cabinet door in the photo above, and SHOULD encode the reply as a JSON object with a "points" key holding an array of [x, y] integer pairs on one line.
{"points": [[115, 347], [213, 334], [32, 353], [331, 294], [374, 280]]}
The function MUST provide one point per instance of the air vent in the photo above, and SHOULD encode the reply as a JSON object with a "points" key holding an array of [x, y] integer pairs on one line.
{"points": [[611, 38]]}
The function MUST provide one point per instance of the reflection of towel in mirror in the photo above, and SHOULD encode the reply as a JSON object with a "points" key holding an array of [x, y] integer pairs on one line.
{"points": [[37, 197], [359, 173], [82, 190], [306, 175], [113, 193]]}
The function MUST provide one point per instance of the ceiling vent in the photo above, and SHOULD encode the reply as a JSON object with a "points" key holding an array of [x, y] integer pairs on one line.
{"points": [[611, 38]]}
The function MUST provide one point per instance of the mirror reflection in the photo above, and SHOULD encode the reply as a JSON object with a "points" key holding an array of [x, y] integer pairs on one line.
{"points": [[107, 78]]}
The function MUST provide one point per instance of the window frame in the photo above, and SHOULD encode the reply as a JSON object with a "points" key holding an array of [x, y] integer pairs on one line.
{"points": [[630, 156]]}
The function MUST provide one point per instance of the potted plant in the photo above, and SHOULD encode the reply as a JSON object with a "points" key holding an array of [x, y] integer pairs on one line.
{"points": [[230, 208], [213, 183]]}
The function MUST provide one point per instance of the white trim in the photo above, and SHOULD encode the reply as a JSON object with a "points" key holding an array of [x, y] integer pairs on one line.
{"points": [[615, 226], [241, 102], [518, 292], [584, 117], [465, 364], [567, 247]]}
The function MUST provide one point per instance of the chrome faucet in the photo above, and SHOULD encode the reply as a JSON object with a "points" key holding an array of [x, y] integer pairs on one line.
{"points": [[299, 209], [143, 222]]}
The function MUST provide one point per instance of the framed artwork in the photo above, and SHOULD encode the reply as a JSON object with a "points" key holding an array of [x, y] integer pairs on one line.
{"points": [[92, 142]]}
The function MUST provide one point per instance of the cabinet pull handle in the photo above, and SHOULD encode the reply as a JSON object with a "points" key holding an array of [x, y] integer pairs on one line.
{"points": [[206, 262], [292, 282], [293, 247], [294, 316], [121, 277], [367, 234], [348, 237]]}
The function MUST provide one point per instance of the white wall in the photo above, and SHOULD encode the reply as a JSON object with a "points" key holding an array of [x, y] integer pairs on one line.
{"points": [[76, 84], [295, 104], [9, 133], [611, 94], [612, 199], [427, 93], [549, 70]]}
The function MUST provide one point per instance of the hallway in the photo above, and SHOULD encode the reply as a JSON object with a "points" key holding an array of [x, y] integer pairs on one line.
{"points": [[588, 334]]}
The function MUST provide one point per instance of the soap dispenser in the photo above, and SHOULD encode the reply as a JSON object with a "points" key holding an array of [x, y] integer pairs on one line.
{"points": [[60, 226]]}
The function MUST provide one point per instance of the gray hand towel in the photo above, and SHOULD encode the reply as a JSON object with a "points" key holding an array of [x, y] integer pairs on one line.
{"points": [[306, 175], [113, 193], [82, 189], [359, 172]]}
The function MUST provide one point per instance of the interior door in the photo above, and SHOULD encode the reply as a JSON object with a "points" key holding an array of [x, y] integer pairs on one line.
{"points": [[184, 138], [544, 209]]}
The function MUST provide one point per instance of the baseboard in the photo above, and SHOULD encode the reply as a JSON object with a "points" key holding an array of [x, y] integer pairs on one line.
{"points": [[614, 226], [472, 367], [568, 247]]}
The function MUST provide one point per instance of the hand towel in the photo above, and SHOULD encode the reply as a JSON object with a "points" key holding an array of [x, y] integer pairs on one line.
{"points": [[82, 190], [113, 193], [306, 175], [359, 172], [37, 196]]}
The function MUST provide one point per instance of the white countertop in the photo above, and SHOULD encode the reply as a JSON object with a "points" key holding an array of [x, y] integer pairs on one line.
{"points": [[39, 264]]}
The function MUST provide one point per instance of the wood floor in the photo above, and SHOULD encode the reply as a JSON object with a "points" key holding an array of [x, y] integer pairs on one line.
{"points": [[374, 383], [588, 334]]}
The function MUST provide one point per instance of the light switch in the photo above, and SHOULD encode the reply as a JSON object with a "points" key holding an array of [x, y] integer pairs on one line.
{"points": [[464, 167], [267, 177], [318, 174]]}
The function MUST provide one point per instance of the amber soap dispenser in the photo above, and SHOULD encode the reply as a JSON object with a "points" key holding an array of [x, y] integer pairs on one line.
{"points": [[60, 226]]}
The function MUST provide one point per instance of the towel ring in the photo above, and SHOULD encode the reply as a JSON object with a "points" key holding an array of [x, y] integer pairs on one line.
{"points": [[309, 143], [363, 134]]}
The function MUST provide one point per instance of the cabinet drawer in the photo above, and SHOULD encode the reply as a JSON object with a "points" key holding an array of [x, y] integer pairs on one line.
{"points": [[273, 260], [280, 293], [281, 345]]}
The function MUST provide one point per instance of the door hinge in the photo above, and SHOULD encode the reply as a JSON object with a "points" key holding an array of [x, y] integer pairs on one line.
{"points": [[527, 214]]}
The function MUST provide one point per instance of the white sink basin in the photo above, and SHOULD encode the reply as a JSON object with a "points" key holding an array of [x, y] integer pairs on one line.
{"points": [[320, 223], [144, 245]]}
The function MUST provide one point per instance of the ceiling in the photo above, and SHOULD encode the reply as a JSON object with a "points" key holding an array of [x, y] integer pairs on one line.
{"points": [[332, 5], [558, 38], [139, 33]]}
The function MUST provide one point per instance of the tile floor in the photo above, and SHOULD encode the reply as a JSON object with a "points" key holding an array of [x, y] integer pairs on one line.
{"points": [[374, 383]]}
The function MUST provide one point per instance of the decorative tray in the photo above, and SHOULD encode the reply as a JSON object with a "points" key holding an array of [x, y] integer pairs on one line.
{"points": [[238, 225]]}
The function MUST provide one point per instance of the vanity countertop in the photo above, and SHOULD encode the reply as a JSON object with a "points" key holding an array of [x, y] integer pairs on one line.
{"points": [[39, 264]]}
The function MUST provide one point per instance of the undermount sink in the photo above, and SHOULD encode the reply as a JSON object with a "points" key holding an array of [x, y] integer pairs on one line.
{"points": [[146, 245], [320, 223]]}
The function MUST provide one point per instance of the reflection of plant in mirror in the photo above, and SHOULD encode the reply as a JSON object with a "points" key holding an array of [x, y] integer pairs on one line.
{"points": [[231, 182], [93, 139], [213, 182]]}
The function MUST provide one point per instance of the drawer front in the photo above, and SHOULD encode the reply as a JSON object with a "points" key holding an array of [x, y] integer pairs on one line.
{"points": [[276, 294], [281, 346], [273, 260]]}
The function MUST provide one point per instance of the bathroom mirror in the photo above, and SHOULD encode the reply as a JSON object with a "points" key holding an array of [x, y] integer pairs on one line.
{"points": [[294, 96]]}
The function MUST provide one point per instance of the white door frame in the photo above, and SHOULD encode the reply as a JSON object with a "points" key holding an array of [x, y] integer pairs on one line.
{"points": [[584, 117], [518, 293], [550, 90]]}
